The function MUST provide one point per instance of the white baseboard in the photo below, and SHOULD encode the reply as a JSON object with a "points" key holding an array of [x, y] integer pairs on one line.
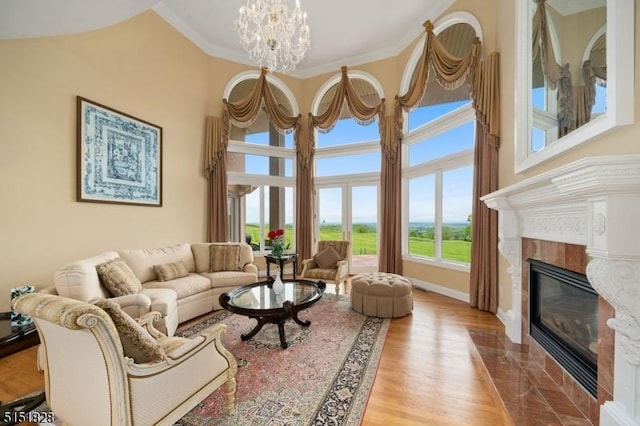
{"points": [[445, 291]]}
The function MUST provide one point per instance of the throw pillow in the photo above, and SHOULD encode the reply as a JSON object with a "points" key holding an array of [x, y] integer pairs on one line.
{"points": [[327, 258], [118, 278], [171, 271], [137, 343], [224, 257]]}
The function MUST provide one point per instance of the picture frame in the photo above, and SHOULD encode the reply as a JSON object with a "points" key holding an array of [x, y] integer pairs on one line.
{"points": [[119, 157]]}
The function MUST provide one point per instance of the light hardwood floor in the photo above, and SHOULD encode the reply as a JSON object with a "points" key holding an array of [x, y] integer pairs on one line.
{"points": [[427, 375]]}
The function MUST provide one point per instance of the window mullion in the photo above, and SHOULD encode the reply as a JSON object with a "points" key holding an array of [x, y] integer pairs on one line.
{"points": [[438, 224]]}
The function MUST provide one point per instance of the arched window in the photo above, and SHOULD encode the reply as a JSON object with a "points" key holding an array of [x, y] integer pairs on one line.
{"points": [[260, 169], [347, 173], [438, 158]]}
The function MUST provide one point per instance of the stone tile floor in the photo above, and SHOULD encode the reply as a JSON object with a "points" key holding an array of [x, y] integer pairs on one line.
{"points": [[526, 391]]}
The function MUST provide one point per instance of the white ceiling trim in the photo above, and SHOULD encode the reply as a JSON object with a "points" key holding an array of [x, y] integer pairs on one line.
{"points": [[198, 39]]}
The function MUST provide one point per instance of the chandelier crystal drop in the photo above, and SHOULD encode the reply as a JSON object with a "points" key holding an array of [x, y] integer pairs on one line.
{"points": [[275, 36]]}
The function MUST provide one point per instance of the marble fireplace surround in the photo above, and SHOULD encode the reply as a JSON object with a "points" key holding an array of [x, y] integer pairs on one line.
{"points": [[594, 202]]}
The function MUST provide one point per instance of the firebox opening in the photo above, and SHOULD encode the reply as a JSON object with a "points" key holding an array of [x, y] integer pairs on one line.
{"points": [[564, 320]]}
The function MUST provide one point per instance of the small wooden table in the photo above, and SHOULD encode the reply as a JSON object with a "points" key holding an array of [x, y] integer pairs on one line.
{"points": [[281, 261], [14, 339], [260, 302]]}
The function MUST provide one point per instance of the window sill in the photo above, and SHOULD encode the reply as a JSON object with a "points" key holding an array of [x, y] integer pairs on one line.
{"points": [[438, 263]]}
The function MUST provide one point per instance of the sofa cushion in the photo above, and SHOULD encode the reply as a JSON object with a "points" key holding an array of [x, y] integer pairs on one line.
{"points": [[321, 274], [185, 286], [118, 278], [224, 257], [230, 278], [141, 261], [171, 271], [79, 280], [136, 342], [176, 347], [327, 258], [202, 255], [163, 300]]}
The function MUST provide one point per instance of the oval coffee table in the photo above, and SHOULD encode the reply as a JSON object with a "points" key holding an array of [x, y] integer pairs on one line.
{"points": [[260, 302]]}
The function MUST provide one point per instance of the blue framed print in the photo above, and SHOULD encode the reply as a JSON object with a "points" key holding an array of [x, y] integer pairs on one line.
{"points": [[119, 157]]}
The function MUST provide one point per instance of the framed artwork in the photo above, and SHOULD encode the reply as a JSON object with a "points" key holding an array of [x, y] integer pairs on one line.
{"points": [[119, 157]]}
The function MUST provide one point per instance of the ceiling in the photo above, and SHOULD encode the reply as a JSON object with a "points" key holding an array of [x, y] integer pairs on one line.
{"points": [[342, 32]]}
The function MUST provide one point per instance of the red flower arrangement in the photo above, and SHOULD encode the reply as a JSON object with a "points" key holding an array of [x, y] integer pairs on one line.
{"points": [[274, 233], [276, 236]]}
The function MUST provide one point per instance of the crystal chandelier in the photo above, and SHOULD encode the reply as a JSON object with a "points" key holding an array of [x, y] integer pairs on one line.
{"points": [[275, 36]]}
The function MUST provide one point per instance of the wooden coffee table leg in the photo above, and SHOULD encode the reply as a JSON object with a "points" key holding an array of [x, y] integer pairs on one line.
{"points": [[283, 340], [306, 323], [249, 335]]}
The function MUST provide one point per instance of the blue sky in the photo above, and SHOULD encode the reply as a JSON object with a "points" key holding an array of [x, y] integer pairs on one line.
{"points": [[457, 185]]}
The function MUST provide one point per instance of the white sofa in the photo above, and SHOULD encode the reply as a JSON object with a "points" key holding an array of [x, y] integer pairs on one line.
{"points": [[177, 300]]}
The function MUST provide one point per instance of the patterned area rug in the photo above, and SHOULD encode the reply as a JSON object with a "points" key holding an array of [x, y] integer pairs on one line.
{"points": [[323, 377]]}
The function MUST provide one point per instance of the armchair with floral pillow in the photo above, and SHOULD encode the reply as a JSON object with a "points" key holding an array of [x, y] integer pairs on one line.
{"points": [[330, 263]]}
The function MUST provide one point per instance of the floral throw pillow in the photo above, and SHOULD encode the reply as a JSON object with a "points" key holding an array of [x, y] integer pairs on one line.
{"points": [[327, 258], [118, 278], [171, 271], [224, 257], [136, 342]]}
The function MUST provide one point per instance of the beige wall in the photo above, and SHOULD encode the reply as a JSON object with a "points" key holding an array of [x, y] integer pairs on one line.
{"points": [[142, 67]]}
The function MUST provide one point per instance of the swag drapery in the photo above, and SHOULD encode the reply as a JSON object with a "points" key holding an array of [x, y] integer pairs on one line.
{"points": [[242, 114], [364, 114], [451, 72]]}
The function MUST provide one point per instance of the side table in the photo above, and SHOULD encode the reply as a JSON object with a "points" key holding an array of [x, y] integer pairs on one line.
{"points": [[14, 339], [281, 261]]}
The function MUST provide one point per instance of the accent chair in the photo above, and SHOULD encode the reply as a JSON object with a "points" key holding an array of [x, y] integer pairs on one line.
{"points": [[101, 367], [330, 263]]}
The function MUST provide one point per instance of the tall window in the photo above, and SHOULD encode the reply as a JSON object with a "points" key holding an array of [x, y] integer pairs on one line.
{"points": [[260, 169], [347, 168], [438, 166]]}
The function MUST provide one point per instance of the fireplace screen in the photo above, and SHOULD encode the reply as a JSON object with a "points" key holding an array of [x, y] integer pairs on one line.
{"points": [[564, 319]]}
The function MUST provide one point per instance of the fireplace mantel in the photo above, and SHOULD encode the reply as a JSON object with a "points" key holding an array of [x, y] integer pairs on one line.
{"points": [[593, 202]]}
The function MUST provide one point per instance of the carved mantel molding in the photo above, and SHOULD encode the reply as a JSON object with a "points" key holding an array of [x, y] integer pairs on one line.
{"points": [[593, 202]]}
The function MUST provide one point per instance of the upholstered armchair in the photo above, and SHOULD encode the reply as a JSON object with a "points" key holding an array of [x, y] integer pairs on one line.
{"points": [[330, 263], [93, 375]]}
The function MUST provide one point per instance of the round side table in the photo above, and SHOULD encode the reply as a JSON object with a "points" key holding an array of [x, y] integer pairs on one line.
{"points": [[14, 339]]}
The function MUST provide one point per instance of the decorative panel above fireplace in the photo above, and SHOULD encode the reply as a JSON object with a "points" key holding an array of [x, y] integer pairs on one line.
{"points": [[564, 319]]}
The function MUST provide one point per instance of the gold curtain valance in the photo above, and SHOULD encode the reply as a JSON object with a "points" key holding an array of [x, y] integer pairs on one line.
{"points": [[242, 114], [362, 112], [450, 71]]}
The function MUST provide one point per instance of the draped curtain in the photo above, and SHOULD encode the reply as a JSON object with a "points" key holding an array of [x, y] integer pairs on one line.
{"points": [[215, 168], [451, 72], [390, 259], [483, 289], [362, 112], [241, 114]]}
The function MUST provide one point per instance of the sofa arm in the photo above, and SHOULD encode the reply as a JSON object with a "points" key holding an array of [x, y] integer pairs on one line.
{"points": [[308, 264], [147, 320], [250, 267], [135, 305], [49, 290]]}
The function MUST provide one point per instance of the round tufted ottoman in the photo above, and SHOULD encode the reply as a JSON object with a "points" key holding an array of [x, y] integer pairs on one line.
{"points": [[381, 294]]}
